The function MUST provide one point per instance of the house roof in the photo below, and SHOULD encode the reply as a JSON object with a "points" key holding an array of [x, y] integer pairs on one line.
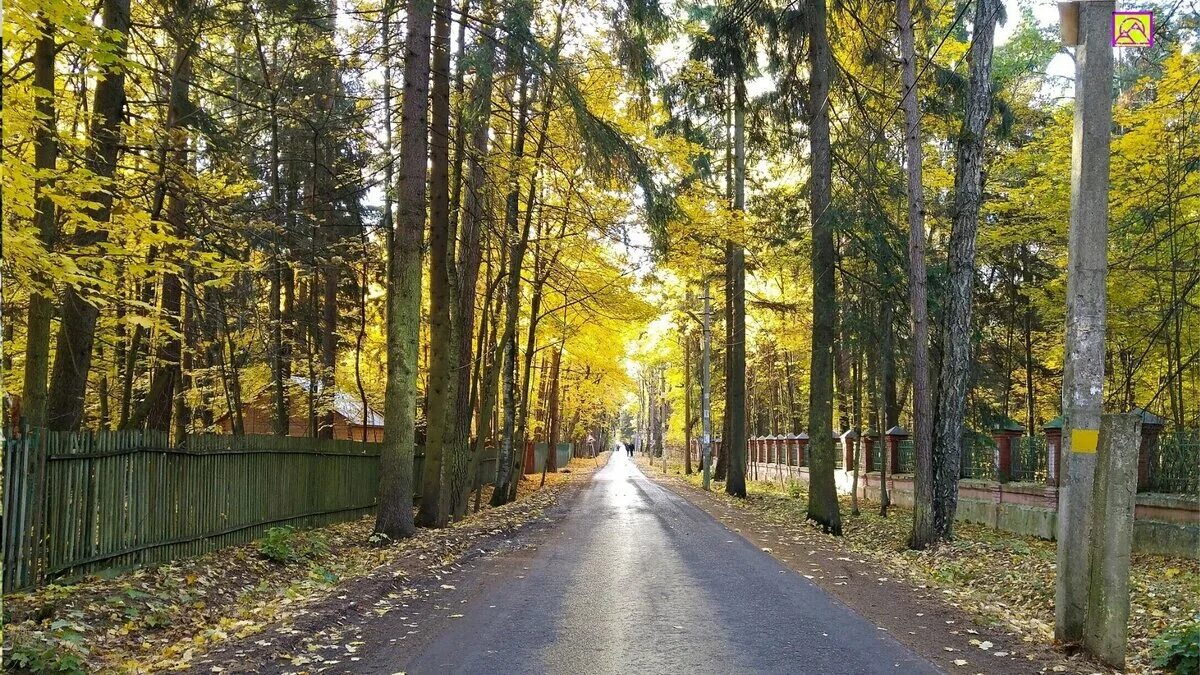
{"points": [[346, 405], [351, 407], [1149, 417]]}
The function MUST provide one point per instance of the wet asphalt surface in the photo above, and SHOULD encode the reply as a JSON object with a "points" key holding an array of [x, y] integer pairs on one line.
{"points": [[634, 579]]}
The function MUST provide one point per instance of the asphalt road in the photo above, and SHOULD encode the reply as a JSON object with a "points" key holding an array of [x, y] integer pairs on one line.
{"points": [[636, 580]]}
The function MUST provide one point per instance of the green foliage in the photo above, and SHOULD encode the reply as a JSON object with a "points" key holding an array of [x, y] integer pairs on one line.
{"points": [[794, 489], [59, 650], [288, 545], [1177, 649]]}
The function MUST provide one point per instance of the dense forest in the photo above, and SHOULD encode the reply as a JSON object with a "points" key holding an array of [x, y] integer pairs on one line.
{"points": [[497, 222]]}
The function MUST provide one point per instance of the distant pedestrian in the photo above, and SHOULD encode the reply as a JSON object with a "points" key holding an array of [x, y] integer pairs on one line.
{"points": [[629, 448]]}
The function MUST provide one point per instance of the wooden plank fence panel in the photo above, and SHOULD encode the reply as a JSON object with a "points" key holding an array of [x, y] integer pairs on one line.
{"points": [[76, 503], [79, 503]]}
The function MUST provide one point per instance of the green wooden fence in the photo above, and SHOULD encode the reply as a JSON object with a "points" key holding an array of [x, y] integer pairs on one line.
{"points": [[77, 503]]}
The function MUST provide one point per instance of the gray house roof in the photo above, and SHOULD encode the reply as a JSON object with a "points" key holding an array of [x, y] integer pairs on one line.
{"points": [[345, 404]]}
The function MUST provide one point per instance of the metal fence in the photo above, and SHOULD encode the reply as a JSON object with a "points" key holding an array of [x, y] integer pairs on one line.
{"points": [[1029, 459], [1174, 463], [905, 458], [978, 457], [77, 503]]}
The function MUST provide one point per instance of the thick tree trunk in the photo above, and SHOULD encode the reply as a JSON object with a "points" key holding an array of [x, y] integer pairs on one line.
{"points": [[922, 433], [822, 498], [280, 418], [41, 301], [735, 394], [441, 397], [956, 335], [395, 514]]}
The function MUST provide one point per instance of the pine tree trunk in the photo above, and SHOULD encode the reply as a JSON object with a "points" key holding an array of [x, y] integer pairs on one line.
{"points": [[735, 394], [922, 532], [441, 394], [324, 194], [395, 513], [956, 335], [822, 498], [279, 405]]}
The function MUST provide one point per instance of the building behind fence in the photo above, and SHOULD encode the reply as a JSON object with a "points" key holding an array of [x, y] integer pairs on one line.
{"points": [[77, 503]]}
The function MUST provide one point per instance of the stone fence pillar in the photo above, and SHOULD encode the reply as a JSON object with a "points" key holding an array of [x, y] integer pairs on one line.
{"points": [[849, 458], [1152, 426], [801, 449], [1003, 435], [1053, 430]]}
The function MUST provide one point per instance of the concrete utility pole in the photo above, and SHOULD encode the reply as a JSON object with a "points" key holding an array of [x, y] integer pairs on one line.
{"points": [[1083, 366], [706, 390]]}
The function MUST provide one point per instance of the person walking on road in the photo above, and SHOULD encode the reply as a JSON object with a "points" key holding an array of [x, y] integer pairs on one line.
{"points": [[629, 448]]}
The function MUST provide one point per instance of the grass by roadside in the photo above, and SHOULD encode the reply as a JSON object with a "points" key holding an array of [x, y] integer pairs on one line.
{"points": [[1002, 578], [164, 617]]}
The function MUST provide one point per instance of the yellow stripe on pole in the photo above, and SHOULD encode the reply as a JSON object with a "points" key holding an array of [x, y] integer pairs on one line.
{"points": [[1085, 440]]}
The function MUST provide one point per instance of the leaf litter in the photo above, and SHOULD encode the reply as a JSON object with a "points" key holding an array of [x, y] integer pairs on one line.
{"points": [[166, 617]]}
